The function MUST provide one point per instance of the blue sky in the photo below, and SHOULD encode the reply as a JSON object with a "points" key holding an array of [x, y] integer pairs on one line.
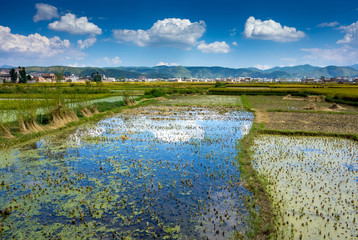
{"points": [[227, 33]]}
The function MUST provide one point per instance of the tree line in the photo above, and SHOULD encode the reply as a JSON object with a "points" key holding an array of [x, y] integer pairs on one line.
{"points": [[23, 78]]}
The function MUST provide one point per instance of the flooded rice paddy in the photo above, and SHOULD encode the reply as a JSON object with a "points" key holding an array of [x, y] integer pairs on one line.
{"points": [[314, 185], [152, 172]]}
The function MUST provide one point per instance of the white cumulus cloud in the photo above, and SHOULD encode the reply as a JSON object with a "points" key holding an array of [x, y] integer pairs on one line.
{"points": [[263, 67], [166, 64], [172, 32], [215, 47], [271, 30], [70, 23], [344, 55], [351, 34], [32, 44], [45, 12], [86, 43], [328, 24], [76, 65], [112, 61]]}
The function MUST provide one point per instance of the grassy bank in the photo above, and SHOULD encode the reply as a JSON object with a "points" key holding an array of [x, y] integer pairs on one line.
{"points": [[308, 133], [261, 223]]}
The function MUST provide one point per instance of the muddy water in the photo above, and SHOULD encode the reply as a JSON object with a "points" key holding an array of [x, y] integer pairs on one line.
{"points": [[155, 172]]}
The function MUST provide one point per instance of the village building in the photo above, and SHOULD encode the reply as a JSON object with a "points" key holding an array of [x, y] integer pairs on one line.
{"points": [[5, 78], [5, 71], [342, 79], [47, 77], [307, 80], [71, 78]]}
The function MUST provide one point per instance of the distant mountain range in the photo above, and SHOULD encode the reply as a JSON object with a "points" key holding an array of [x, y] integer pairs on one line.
{"points": [[5, 66], [355, 66], [204, 72]]}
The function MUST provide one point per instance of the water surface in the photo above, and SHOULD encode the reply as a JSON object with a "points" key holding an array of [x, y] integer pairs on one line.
{"points": [[154, 172]]}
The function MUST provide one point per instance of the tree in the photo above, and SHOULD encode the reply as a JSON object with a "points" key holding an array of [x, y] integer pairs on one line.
{"points": [[219, 84], [13, 75], [59, 76], [22, 73], [96, 77]]}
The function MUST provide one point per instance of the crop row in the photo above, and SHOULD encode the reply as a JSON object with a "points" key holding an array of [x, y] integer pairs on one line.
{"points": [[343, 95]]}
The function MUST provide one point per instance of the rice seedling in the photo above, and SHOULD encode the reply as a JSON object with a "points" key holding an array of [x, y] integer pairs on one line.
{"points": [[313, 183]]}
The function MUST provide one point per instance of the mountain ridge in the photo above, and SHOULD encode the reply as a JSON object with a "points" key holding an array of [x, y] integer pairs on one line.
{"points": [[298, 71]]}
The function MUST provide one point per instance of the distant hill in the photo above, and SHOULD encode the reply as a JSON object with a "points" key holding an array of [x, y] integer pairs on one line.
{"points": [[354, 66], [205, 72], [85, 71], [6, 66], [296, 71], [334, 71]]}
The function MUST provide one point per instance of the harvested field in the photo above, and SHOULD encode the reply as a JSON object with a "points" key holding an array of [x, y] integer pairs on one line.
{"points": [[277, 103], [322, 122], [261, 116]]}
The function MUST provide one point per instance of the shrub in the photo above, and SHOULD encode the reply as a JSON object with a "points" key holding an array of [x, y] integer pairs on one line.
{"points": [[219, 84]]}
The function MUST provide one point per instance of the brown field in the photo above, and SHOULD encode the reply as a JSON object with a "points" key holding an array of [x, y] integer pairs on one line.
{"points": [[317, 122], [278, 114], [277, 103]]}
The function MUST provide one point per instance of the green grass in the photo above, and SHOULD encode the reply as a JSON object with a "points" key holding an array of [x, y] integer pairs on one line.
{"points": [[204, 101], [261, 223], [106, 106], [50, 94], [246, 103]]}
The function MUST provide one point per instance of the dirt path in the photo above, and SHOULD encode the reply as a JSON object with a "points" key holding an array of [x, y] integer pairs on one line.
{"points": [[261, 116]]}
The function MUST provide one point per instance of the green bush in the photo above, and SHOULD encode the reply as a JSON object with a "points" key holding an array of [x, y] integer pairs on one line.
{"points": [[106, 106], [219, 84], [157, 92]]}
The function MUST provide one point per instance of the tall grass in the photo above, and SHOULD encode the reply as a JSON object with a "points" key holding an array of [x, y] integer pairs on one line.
{"points": [[245, 102], [5, 116], [128, 99]]}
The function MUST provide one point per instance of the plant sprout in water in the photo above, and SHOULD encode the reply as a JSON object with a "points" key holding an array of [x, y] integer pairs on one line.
{"points": [[313, 183], [153, 172]]}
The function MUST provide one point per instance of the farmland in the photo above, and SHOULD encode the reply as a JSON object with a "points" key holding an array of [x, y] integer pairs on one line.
{"points": [[178, 161], [314, 191]]}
